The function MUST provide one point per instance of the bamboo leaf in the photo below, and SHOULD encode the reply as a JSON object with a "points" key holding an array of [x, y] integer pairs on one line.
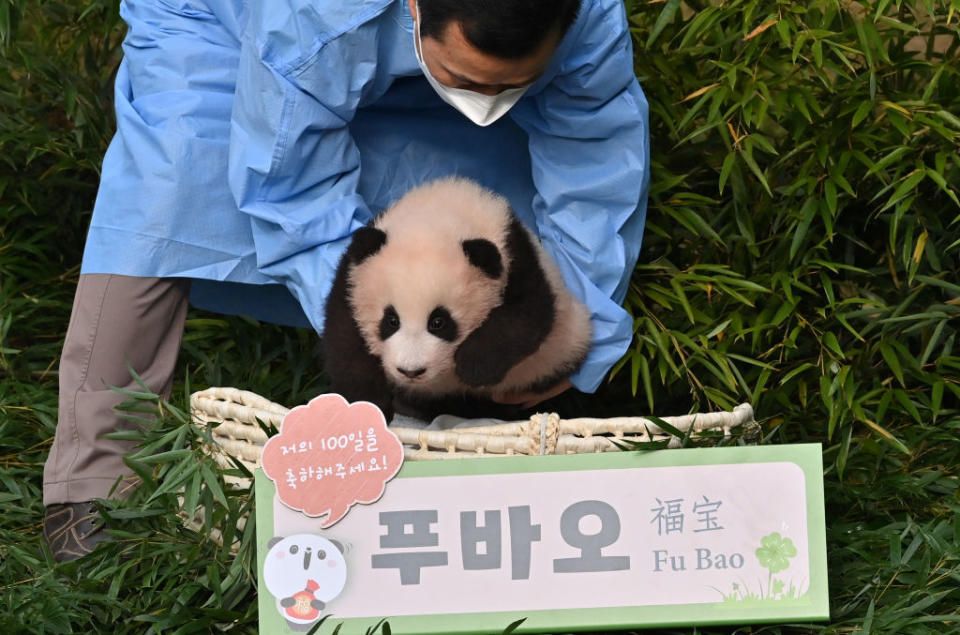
{"points": [[890, 356], [861, 113], [906, 187], [725, 170], [760, 29], [666, 16], [833, 344], [807, 213], [897, 443], [830, 191], [748, 159], [941, 182], [950, 118], [699, 91], [936, 398]]}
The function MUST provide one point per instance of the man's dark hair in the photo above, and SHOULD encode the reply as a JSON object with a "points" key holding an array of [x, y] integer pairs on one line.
{"points": [[508, 29]]}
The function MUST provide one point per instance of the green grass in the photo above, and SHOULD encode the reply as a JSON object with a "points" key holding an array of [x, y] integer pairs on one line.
{"points": [[801, 253]]}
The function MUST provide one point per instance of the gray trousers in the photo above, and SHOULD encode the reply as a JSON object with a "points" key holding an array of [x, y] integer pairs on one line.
{"points": [[117, 322]]}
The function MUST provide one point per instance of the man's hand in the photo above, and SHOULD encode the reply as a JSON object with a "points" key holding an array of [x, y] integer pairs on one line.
{"points": [[530, 399]]}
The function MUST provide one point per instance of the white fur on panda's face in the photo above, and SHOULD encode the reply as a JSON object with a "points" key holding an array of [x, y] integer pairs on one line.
{"points": [[417, 349], [415, 305]]}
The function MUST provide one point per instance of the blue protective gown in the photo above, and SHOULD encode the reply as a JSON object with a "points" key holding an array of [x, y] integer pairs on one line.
{"points": [[254, 136]]}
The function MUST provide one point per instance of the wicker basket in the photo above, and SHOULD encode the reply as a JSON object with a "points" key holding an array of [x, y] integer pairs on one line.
{"points": [[234, 415]]}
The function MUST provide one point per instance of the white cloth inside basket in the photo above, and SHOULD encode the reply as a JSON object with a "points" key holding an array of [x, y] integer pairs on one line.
{"points": [[442, 422]]}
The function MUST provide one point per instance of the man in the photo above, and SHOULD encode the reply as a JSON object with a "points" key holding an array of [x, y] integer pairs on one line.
{"points": [[254, 137]]}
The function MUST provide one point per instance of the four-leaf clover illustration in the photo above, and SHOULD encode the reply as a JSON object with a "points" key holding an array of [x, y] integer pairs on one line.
{"points": [[774, 555], [775, 552]]}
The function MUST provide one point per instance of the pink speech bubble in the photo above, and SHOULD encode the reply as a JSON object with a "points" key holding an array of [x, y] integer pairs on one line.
{"points": [[330, 455]]}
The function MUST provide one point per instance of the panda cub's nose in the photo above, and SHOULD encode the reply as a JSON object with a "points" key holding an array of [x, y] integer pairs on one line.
{"points": [[411, 373]]}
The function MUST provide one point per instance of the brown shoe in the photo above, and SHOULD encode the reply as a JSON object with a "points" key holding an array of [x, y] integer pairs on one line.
{"points": [[72, 530]]}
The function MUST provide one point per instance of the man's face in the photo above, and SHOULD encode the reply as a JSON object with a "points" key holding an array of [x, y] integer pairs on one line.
{"points": [[456, 63]]}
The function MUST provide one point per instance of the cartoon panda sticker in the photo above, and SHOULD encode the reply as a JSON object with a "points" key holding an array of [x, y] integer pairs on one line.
{"points": [[304, 572]]}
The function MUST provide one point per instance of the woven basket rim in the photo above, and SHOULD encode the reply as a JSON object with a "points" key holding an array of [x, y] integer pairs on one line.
{"points": [[237, 418]]}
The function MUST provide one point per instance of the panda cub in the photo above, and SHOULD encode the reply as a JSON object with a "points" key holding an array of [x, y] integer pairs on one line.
{"points": [[445, 302]]}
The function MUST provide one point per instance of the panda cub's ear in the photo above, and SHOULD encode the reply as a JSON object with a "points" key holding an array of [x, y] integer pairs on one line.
{"points": [[484, 255], [273, 541], [365, 242]]}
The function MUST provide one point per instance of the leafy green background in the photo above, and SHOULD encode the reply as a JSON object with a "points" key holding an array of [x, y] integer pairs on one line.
{"points": [[800, 254]]}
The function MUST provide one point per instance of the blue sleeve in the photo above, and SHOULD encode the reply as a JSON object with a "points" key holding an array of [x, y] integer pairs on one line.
{"points": [[589, 149], [294, 167], [172, 99]]}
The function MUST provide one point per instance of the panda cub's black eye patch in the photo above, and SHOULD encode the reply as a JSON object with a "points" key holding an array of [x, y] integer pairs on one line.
{"points": [[441, 324], [389, 323]]}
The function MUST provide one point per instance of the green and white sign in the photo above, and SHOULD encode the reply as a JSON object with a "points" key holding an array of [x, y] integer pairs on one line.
{"points": [[578, 542]]}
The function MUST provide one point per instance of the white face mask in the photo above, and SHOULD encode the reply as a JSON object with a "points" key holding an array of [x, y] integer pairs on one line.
{"points": [[482, 110]]}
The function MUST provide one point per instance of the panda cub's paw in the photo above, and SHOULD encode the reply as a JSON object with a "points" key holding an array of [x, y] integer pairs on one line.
{"points": [[476, 366]]}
